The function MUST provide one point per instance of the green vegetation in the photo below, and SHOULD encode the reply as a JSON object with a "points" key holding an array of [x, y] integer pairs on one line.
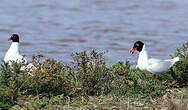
{"points": [[88, 83], [180, 70]]}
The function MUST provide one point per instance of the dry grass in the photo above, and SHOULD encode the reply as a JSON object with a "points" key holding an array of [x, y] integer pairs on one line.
{"points": [[173, 100]]}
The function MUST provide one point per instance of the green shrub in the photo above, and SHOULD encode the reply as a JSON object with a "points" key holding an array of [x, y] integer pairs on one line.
{"points": [[92, 74], [121, 68], [47, 78], [138, 84], [180, 69], [9, 84], [6, 98]]}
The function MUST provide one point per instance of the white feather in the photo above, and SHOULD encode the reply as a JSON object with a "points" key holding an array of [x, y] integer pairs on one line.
{"points": [[154, 65], [13, 54]]}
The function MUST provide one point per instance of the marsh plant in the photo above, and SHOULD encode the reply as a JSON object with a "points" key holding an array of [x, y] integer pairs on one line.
{"points": [[92, 74], [47, 80], [56, 83], [180, 69]]}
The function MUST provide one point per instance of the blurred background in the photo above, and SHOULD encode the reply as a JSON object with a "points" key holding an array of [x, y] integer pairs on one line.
{"points": [[57, 28]]}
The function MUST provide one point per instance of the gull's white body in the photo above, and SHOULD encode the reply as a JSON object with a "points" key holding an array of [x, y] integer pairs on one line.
{"points": [[154, 65], [13, 54]]}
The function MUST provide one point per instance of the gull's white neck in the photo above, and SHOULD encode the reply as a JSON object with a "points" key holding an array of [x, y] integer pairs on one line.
{"points": [[14, 48], [142, 58]]}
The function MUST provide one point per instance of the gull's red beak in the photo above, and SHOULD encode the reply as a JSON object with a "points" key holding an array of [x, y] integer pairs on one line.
{"points": [[132, 50], [10, 38]]}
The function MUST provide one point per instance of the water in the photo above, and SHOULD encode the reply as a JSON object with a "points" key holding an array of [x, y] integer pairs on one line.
{"points": [[57, 28]]}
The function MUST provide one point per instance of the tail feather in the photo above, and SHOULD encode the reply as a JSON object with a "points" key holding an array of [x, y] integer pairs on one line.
{"points": [[176, 59]]}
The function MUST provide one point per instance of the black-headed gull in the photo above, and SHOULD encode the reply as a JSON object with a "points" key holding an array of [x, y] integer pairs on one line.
{"points": [[13, 55], [151, 65]]}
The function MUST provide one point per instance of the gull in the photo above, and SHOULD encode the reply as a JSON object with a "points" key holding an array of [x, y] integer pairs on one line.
{"points": [[151, 65], [13, 54]]}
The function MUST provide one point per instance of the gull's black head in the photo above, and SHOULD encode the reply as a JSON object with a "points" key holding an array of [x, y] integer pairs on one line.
{"points": [[138, 45], [14, 38]]}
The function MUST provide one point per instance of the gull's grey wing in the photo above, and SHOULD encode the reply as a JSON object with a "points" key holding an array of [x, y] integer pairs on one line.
{"points": [[159, 66]]}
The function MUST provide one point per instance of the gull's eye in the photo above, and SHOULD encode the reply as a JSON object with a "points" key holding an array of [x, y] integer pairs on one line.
{"points": [[137, 45]]}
